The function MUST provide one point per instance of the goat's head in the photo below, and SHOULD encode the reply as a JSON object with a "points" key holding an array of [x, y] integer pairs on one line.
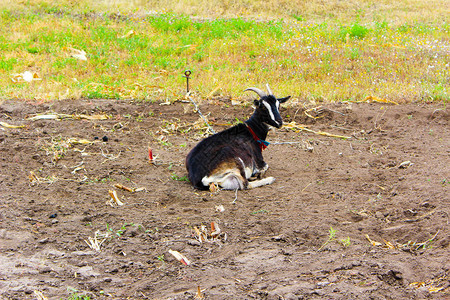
{"points": [[267, 107]]}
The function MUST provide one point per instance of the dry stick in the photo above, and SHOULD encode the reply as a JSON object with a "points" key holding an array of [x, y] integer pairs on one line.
{"points": [[294, 126], [201, 115], [426, 242], [421, 217], [326, 133], [306, 187]]}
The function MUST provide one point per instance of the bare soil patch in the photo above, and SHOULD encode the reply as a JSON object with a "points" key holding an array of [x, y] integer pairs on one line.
{"points": [[388, 182]]}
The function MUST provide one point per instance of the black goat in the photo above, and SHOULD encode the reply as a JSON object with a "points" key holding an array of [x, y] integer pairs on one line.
{"points": [[232, 157]]}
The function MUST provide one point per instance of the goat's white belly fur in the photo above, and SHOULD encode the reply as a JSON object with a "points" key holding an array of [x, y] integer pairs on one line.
{"points": [[229, 180]]}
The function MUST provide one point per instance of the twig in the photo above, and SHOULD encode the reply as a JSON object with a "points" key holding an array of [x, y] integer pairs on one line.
{"points": [[119, 186], [421, 217], [375, 99], [94, 243], [335, 111], [318, 110], [39, 295], [426, 242], [110, 156], [293, 125], [306, 187]]}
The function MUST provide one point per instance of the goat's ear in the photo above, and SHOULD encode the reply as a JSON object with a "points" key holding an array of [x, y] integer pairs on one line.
{"points": [[282, 100], [257, 103]]}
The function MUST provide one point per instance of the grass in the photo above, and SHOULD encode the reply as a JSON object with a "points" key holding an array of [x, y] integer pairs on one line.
{"points": [[332, 238], [342, 51], [178, 178], [75, 296]]}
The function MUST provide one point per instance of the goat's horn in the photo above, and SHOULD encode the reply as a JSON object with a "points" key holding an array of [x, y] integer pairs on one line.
{"points": [[268, 89], [256, 90]]}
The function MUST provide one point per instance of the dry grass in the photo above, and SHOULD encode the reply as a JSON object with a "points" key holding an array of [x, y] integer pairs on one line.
{"points": [[396, 12], [315, 51]]}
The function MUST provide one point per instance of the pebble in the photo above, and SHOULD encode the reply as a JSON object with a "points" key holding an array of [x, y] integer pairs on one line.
{"points": [[323, 283], [193, 242]]}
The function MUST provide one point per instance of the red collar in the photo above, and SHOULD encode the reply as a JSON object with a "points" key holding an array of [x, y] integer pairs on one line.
{"points": [[262, 143]]}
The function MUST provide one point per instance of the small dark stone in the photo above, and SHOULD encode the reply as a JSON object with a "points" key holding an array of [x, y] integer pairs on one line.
{"points": [[95, 138], [105, 138], [45, 270], [52, 216]]}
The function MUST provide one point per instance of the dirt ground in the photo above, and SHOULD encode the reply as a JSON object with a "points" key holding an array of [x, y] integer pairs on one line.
{"points": [[384, 192]]}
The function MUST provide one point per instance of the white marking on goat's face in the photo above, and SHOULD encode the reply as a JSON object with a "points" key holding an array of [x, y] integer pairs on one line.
{"points": [[271, 113]]}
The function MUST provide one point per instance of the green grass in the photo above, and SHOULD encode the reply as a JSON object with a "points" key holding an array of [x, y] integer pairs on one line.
{"points": [[339, 57], [178, 178], [75, 296]]}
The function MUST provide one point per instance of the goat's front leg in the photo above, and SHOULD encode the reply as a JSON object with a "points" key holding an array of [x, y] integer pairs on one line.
{"points": [[263, 171], [260, 182], [260, 173]]}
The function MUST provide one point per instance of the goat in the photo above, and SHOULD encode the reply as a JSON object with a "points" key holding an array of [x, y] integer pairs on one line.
{"points": [[232, 159]]}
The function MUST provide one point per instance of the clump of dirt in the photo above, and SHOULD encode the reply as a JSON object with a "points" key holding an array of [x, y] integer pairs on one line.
{"points": [[363, 217]]}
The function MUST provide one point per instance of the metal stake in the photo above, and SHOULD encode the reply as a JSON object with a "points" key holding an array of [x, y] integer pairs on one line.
{"points": [[187, 73]]}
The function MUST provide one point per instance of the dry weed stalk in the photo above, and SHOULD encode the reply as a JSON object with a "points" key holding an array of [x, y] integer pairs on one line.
{"points": [[58, 116], [294, 126], [119, 186], [39, 295], [203, 235], [199, 295], [433, 285], [114, 201], [94, 242], [409, 246], [180, 257], [6, 125], [35, 180]]}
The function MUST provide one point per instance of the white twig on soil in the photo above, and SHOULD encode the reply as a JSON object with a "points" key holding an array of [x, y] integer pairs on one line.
{"points": [[306, 187], [110, 156], [94, 243], [39, 295], [235, 196]]}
